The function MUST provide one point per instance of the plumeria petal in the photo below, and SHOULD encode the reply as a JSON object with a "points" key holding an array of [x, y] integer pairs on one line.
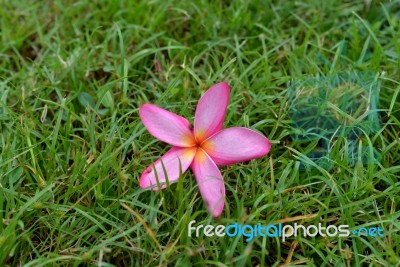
{"points": [[211, 110], [177, 160], [236, 144], [210, 182], [166, 126]]}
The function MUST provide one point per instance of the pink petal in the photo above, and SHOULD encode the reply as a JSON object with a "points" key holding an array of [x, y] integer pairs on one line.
{"points": [[173, 160], [166, 126], [236, 144], [210, 182], [210, 111]]}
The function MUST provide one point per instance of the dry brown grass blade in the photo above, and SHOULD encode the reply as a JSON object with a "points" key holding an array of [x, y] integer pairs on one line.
{"points": [[142, 221]]}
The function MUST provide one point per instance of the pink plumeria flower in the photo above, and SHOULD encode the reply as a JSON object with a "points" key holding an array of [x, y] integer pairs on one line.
{"points": [[201, 149]]}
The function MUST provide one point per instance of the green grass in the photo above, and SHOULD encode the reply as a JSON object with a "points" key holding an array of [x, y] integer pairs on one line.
{"points": [[72, 148]]}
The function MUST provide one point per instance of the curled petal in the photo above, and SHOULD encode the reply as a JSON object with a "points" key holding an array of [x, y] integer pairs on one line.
{"points": [[210, 111], [233, 145], [166, 126], [177, 160], [210, 182]]}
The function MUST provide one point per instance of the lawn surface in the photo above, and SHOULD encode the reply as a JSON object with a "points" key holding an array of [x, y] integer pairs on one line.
{"points": [[73, 75]]}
